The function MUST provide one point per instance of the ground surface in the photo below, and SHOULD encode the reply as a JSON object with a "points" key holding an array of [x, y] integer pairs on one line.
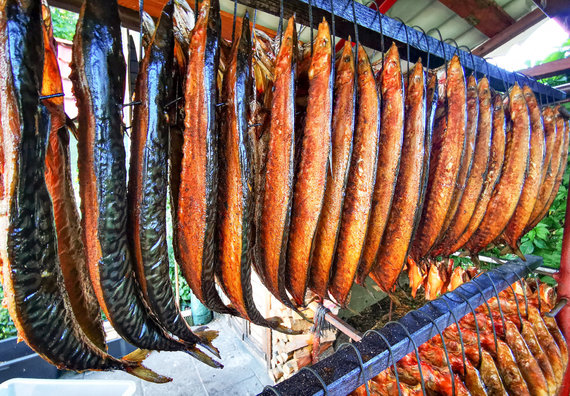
{"points": [[244, 373]]}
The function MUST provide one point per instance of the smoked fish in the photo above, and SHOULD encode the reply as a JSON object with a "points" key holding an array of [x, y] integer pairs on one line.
{"points": [[491, 377], [390, 148], [342, 133], [33, 283], [311, 175], [478, 175], [447, 152], [398, 233], [534, 346], [58, 177], [496, 160], [274, 221], [148, 181], [507, 192], [531, 187], [360, 185], [468, 154], [98, 82], [197, 200], [547, 342]]}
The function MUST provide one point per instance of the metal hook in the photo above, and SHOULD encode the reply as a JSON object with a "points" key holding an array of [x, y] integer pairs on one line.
{"points": [[490, 313], [57, 95], [355, 29], [457, 52], [503, 77], [521, 281], [479, 347], [141, 11], [272, 389], [383, 338], [516, 298], [380, 18], [403, 25], [498, 300], [416, 352], [444, 349], [427, 43], [333, 49], [317, 376], [310, 3], [463, 357], [442, 47], [537, 281], [472, 58], [234, 23], [557, 308], [280, 28], [360, 362]]}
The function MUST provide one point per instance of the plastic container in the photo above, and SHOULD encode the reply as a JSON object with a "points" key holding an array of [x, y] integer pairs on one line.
{"points": [[200, 314], [51, 387]]}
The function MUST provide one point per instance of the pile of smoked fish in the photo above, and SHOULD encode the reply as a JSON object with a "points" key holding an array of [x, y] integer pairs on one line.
{"points": [[504, 347], [315, 170]]}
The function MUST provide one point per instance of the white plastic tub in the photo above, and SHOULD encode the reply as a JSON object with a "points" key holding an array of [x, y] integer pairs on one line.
{"points": [[56, 387]]}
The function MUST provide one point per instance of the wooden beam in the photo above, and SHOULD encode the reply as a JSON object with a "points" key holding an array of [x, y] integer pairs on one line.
{"points": [[486, 15], [530, 19], [554, 68]]}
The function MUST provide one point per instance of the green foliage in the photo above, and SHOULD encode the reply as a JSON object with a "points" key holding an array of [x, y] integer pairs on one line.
{"points": [[7, 328], [63, 23]]}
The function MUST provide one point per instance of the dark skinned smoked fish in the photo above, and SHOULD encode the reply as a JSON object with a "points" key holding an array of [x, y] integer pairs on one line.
{"points": [[33, 282], [342, 132], [468, 157], [311, 175], [508, 190], [447, 151], [98, 81], [390, 147], [531, 188], [236, 196], [273, 233], [147, 193], [479, 172], [198, 192], [496, 160], [58, 176], [399, 228], [360, 185]]}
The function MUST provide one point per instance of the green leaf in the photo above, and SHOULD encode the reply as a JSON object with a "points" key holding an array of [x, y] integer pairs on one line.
{"points": [[527, 247]]}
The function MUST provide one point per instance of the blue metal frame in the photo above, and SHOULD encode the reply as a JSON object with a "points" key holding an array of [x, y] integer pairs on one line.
{"points": [[342, 371]]}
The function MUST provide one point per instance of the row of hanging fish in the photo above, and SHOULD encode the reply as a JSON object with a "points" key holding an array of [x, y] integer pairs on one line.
{"points": [[302, 166], [505, 347]]}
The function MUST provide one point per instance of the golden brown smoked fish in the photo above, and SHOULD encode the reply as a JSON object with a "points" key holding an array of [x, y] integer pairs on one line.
{"points": [[360, 185], [478, 172], [390, 147], [236, 197], [311, 177], [447, 151], [552, 164], [273, 233], [531, 188], [547, 342], [342, 132], [98, 81], [33, 283], [58, 176], [509, 187], [197, 201], [468, 153], [496, 160], [148, 181], [538, 353], [399, 228]]}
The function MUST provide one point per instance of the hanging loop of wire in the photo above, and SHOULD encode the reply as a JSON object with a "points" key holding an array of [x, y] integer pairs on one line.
{"points": [[441, 43], [523, 287], [383, 338], [425, 37], [433, 322], [403, 25], [422, 382], [280, 28], [476, 321], [310, 3], [463, 356], [490, 314], [333, 41], [317, 376], [468, 50], [497, 296], [360, 363], [515, 296], [234, 22], [272, 389], [380, 18]]}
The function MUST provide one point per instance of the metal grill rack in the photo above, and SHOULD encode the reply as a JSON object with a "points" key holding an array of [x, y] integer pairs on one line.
{"points": [[348, 368]]}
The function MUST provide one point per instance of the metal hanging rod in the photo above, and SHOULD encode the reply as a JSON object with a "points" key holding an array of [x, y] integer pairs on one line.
{"points": [[343, 372], [369, 27]]}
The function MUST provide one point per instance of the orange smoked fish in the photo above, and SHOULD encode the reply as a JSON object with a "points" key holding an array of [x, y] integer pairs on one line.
{"points": [[360, 185], [273, 233], [509, 187], [311, 177], [342, 132], [447, 151], [496, 160], [58, 176], [390, 147], [399, 228], [532, 182]]}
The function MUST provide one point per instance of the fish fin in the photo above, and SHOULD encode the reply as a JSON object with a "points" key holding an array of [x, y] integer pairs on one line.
{"points": [[275, 324], [201, 356], [516, 250], [146, 374], [206, 337], [138, 355], [71, 126]]}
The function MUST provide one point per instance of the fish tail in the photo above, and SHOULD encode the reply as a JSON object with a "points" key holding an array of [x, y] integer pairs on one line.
{"points": [[275, 324], [146, 374], [202, 357], [137, 356], [516, 250], [206, 338]]}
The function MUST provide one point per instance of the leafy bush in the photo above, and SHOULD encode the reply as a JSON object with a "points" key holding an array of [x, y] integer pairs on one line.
{"points": [[63, 22]]}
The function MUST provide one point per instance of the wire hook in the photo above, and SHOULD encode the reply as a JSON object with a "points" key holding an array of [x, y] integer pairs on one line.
{"points": [[441, 43], [472, 58], [515, 296], [403, 25], [360, 362], [272, 389], [317, 376], [463, 357], [490, 313], [477, 331], [383, 338]]}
